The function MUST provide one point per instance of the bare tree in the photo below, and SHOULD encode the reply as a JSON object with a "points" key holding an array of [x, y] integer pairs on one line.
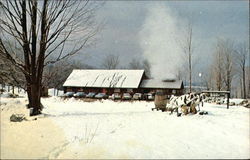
{"points": [[187, 47], [135, 64], [248, 78], [111, 61], [217, 68], [227, 47], [44, 28], [241, 59]]}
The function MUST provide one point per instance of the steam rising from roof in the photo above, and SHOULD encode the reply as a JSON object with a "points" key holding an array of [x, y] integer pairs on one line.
{"points": [[159, 41]]}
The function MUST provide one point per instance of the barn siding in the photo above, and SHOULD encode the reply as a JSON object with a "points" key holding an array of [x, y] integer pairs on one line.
{"points": [[110, 91]]}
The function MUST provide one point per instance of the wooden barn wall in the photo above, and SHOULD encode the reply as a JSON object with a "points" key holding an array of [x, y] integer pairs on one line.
{"points": [[110, 91]]}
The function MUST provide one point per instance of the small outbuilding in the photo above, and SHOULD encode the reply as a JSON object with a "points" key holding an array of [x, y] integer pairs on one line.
{"points": [[168, 86]]}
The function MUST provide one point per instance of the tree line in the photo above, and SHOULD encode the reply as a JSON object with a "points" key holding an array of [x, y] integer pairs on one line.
{"points": [[230, 63], [112, 61]]}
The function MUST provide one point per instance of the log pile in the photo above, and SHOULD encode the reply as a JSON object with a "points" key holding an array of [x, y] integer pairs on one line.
{"points": [[185, 104]]}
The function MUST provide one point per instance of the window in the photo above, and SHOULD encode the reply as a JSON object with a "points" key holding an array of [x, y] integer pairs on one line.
{"points": [[129, 90], [174, 91]]}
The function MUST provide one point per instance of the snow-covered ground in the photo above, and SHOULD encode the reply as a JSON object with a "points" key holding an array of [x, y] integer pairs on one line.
{"points": [[131, 130], [17, 90], [21, 92], [54, 92], [237, 101], [107, 129]]}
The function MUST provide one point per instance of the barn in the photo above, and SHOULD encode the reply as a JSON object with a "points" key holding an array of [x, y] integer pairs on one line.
{"points": [[118, 81]]}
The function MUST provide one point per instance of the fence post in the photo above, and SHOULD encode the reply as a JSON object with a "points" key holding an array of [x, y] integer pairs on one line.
{"points": [[228, 96]]}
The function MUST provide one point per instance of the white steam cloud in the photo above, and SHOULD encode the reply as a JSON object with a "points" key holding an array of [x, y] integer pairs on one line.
{"points": [[158, 40]]}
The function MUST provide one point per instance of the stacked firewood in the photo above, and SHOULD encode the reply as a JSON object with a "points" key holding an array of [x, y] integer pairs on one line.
{"points": [[185, 104]]}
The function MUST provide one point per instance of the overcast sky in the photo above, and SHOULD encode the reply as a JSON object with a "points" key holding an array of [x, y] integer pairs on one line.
{"points": [[131, 25]]}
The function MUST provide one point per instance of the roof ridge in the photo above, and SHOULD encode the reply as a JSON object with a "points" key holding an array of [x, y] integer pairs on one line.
{"points": [[122, 78], [113, 69]]}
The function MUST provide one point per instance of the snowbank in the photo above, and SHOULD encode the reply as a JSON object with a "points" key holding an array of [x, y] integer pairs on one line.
{"points": [[236, 101]]}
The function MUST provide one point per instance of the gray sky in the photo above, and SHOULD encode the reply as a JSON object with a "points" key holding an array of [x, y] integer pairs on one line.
{"points": [[125, 21]]}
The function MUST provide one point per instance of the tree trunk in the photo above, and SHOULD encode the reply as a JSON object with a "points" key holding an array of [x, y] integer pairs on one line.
{"points": [[190, 76], [228, 83], [190, 63], [244, 83], [236, 93], [241, 89], [248, 96], [219, 81], [13, 89], [35, 99], [29, 94]]}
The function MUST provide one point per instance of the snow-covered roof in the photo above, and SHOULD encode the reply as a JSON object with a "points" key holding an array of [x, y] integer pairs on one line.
{"points": [[156, 83], [104, 78]]}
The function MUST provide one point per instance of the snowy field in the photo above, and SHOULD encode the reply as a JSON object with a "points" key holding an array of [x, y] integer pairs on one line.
{"points": [[107, 129], [132, 130]]}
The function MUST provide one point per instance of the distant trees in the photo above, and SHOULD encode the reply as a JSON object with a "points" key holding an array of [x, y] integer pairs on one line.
{"points": [[229, 59], [241, 54], [41, 29], [223, 64], [56, 74], [111, 61], [229, 67], [136, 64], [9, 73], [207, 79]]}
